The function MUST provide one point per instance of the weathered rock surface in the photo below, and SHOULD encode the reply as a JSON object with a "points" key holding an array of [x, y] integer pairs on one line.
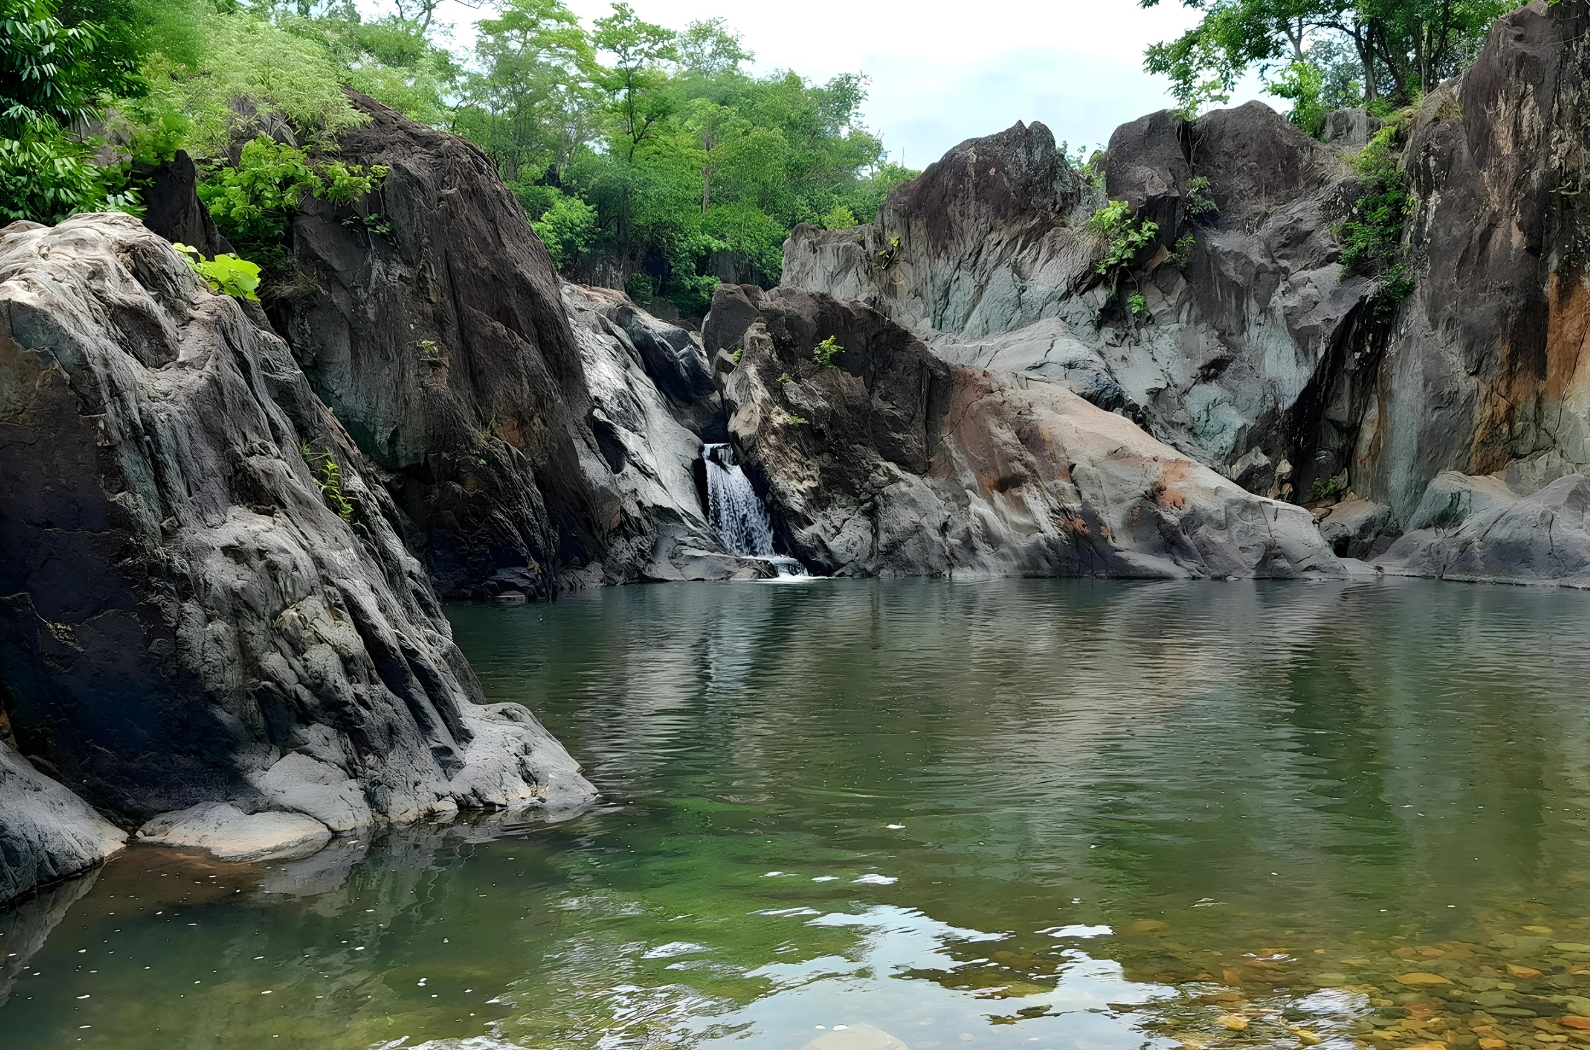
{"points": [[1260, 355], [463, 368], [181, 608], [1480, 531], [1354, 528], [46, 832], [988, 259], [895, 463], [231, 834]]}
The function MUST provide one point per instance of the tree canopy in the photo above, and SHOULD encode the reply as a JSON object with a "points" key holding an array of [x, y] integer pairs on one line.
{"points": [[646, 157], [1323, 54]]}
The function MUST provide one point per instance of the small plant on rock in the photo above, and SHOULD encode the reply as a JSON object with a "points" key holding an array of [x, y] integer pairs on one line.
{"points": [[1198, 201], [1372, 238], [429, 351], [1181, 255], [329, 478], [1137, 304], [224, 273], [1124, 236], [824, 352]]}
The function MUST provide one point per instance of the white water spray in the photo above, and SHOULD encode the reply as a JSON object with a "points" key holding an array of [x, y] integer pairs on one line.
{"points": [[734, 510]]}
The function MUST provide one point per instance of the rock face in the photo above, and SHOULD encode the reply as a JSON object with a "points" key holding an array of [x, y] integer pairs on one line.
{"points": [[46, 832], [1257, 353], [987, 258], [460, 366], [891, 462], [200, 584]]}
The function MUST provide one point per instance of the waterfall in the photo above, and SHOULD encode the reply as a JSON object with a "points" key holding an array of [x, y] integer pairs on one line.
{"points": [[734, 510]]}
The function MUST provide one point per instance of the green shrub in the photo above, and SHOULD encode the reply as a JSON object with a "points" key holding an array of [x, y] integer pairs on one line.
{"points": [[567, 228], [839, 217], [1181, 255], [1198, 201], [1372, 239], [329, 478], [1303, 85], [47, 177], [1124, 236], [1137, 304], [824, 352], [253, 202], [224, 273]]}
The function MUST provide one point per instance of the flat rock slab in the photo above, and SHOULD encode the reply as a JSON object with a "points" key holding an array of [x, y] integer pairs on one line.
{"points": [[230, 834]]}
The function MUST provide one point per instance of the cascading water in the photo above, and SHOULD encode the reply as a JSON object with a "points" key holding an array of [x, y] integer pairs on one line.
{"points": [[734, 510]]}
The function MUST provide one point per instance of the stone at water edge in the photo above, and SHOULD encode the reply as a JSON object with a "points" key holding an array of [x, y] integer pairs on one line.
{"points": [[1574, 1021], [856, 1037], [230, 834], [47, 832]]}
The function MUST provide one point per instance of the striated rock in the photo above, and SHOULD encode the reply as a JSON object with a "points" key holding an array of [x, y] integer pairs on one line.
{"points": [[1350, 128], [187, 598], [1483, 532], [994, 268], [1354, 527], [895, 463], [646, 380], [46, 833], [463, 368], [231, 834]]}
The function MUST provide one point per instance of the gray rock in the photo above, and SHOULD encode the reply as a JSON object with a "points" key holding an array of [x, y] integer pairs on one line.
{"points": [[856, 1037], [1354, 527], [1483, 533], [46, 833], [230, 834], [894, 463], [184, 606], [1350, 128]]}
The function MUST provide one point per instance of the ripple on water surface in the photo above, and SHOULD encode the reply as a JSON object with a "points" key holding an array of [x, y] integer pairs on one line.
{"points": [[861, 815]]}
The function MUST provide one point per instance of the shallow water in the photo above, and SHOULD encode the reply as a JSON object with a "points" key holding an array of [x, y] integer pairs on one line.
{"points": [[1036, 814]]}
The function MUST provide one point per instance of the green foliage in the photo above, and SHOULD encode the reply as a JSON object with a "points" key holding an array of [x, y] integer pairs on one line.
{"points": [[1181, 254], [225, 273], [45, 177], [51, 73], [796, 420], [1137, 304], [1372, 239], [839, 217], [1303, 85], [567, 228], [825, 352], [429, 351], [785, 377], [1124, 237], [253, 201], [328, 475], [1198, 201], [1391, 49], [1087, 163], [1326, 488]]}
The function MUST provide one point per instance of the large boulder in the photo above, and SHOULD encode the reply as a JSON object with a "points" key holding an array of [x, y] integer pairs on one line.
{"points": [[987, 258], [199, 579], [46, 834], [888, 461]]}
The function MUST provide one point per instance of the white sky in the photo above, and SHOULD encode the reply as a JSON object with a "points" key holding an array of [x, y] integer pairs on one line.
{"points": [[942, 72]]}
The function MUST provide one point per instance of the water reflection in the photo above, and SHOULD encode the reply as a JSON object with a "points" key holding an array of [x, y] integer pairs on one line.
{"points": [[1035, 814]]}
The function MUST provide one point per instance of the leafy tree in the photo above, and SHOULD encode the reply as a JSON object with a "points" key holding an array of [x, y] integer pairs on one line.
{"points": [[635, 83]]}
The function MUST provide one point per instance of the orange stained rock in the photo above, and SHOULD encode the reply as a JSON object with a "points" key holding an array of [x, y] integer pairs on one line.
{"points": [[1575, 1021], [1419, 977], [1490, 1042], [1231, 976], [1522, 971]]}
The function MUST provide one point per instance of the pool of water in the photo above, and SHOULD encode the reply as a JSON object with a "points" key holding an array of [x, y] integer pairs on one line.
{"points": [[1052, 815]]}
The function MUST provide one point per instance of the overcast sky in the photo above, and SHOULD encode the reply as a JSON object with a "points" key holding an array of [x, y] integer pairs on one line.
{"points": [[943, 72]]}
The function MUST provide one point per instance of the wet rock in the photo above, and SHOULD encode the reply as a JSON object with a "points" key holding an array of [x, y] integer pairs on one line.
{"points": [[895, 463], [46, 833], [1350, 128], [856, 1037], [230, 834], [188, 598]]}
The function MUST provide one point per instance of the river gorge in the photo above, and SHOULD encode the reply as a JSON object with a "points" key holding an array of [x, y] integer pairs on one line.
{"points": [[1155, 811]]}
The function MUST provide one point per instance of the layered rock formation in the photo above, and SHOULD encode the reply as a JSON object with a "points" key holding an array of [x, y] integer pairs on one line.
{"points": [[1259, 354], [888, 461], [463, 371], [204, 598]]}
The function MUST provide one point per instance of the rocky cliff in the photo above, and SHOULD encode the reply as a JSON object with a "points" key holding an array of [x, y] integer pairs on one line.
{"points": [[881, 459], [205, 597], [1256, 351], [463, 370]]}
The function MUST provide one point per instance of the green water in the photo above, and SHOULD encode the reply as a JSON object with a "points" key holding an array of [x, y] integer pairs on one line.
{"points": [[1034, 814]]}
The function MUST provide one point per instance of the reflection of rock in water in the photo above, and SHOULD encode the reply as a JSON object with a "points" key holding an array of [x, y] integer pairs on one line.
{"points": [[856, 1037], [26, 926]]}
